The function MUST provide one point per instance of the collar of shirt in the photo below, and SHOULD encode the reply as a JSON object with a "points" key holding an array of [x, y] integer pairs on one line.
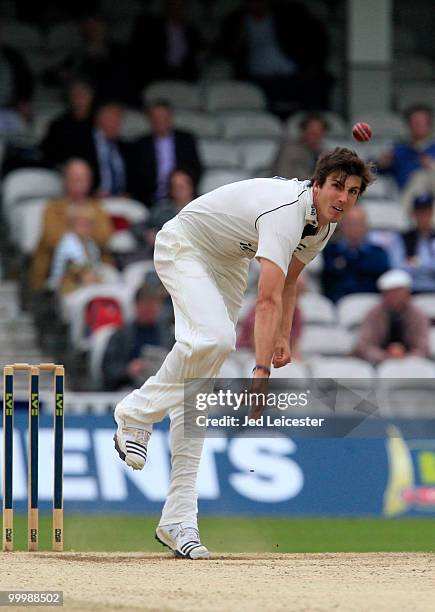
{"points": [[306, 197]]}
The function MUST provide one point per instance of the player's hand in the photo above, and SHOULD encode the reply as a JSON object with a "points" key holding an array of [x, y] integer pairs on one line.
{"points": [[258, 387], [282, 355]]}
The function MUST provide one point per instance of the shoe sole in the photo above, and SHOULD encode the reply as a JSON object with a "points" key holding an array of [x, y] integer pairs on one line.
{"points": [[117, 448]]}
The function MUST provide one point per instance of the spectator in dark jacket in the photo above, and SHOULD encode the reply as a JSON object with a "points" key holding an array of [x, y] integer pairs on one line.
{"points": [[267, 43], [352, 264], [155, 156], [17, 83], [128, 359], [66, 132], [102, 148], [164, 46]]}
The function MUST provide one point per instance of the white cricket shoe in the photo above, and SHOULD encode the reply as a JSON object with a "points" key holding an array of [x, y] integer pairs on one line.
{"points": [[183, 540], [131, 444]]}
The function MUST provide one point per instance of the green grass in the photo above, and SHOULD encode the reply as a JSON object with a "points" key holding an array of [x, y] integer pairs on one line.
{"points": [[136, 533]]}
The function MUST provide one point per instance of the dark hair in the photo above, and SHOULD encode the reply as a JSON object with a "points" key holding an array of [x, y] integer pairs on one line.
{"points": [[152, 287], [160, 102], [313, 117], [417, 108], [345, 161]]}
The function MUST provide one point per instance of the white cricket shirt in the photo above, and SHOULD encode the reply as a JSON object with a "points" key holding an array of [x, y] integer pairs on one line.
{"points": [[262, 217]]}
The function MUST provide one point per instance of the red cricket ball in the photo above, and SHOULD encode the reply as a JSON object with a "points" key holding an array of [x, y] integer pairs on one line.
{"points": [[362, 132]]}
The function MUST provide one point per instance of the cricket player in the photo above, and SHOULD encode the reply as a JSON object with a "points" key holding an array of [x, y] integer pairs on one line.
{"points": [[202, 257]]}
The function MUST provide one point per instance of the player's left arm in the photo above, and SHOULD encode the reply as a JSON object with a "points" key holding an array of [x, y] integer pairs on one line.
{"points": [[282, 353]]}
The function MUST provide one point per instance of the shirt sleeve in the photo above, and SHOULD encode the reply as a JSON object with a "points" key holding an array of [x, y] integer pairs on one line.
{"points": [[273, 244]]}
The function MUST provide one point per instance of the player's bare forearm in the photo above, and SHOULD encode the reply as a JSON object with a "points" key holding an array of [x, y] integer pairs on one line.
{"points": [[288, 308], [268, 314]]}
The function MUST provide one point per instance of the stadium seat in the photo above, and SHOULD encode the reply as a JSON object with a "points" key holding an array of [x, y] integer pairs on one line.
{"points": [[341, 367], [322, 340], [257, 155], [407, 387], [199, 124], [337, 125], [21, 35], [232, 95], [384, 188], [180, 94], [295, 370], [73, 307], [418, 93], [252, 124], [214, 178], [413, 67], [230, 369], [385, 124], [26, 224], [134, 124], [134, 274], [385, 215], [427, 304], [122, 241], [98, 344], [352, 309], [130, 210], [317, 309], [218, 154], [64, 36], [28, 183]]}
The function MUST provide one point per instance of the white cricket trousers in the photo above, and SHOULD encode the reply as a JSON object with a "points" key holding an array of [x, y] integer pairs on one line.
{"points": [[206, 298]]}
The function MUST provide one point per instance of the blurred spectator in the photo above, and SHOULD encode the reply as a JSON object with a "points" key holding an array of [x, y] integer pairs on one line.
{"points": [[135, 351], [156, 155], [164, 46], [414, 251], [77, 185], [246, 335], [394, 328], [180, 193], [352, 264], [418, 153], [267, 43], [16, 83], [76, 256], [297, 158], [66, 132], [102, 148], [98, 60]]}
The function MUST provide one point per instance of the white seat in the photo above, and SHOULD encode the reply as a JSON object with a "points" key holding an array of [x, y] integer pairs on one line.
{"points": [[74, 305], [64, 35], [420, 93], [134, 274], [233, 95], [25, 184], [246, 359], [407, 387], [122, 241], [384, 214], [294, 370], [384, 188], [27, 224], [413, 67], [317, 309], [427, 304], [98, 344], [131, 210], [341, 367], [108, 273], [134, 124], [320, 340], [199, 124], [257, 154], [230, 369], [21, 35], [218, 154], [252, 124], [336, 124], [383, 123], [178, 93], [352, 309], [214, 178]]}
